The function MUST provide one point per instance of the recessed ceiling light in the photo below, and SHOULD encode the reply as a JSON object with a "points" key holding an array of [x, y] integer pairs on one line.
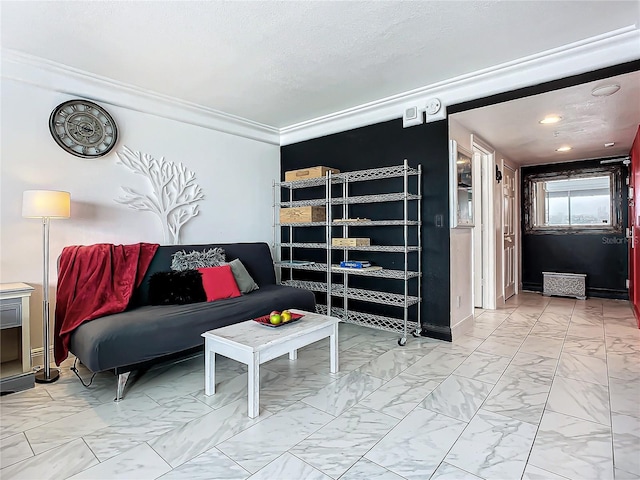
{"points": [[609, 144], [563, 149], [605, 90], [550, 119]]}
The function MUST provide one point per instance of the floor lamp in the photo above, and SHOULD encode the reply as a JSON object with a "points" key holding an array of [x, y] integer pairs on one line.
{"points": [[46, 204]]}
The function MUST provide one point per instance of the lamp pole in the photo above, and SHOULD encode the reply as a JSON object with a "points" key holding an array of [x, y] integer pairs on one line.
{"points": [[47, 374]]}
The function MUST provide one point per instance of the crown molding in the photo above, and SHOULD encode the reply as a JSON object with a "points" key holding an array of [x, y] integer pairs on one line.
{"points": [[612, 48], [57, 77]]}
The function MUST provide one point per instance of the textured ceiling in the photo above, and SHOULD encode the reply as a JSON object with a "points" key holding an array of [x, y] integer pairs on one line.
{"points": [[587, 123], [280, 63]]}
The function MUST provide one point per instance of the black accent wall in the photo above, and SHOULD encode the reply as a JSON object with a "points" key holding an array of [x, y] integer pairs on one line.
{"points": [[386, 144], [603, 257]]}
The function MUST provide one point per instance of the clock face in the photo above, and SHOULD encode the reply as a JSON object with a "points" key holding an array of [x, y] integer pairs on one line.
{"points": [[83, 128]]}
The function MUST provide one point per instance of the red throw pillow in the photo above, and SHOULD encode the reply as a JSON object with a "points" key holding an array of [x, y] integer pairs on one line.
{"points": [[219, 283]]}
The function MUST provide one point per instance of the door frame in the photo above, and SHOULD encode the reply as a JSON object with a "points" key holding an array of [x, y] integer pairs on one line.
{"points": [[487, 164], [479, 221]]}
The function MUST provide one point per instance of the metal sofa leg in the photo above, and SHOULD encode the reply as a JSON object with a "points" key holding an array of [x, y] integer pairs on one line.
{"points": [[122, 381]]}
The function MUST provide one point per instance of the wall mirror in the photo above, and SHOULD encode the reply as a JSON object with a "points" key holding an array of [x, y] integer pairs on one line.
{"points": [[587, 200], [461, 188]]}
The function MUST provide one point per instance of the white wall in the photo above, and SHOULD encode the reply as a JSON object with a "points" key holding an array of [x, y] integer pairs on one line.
{"points": [[462, 239], [235, 174], [461, 280], [461, 259]]}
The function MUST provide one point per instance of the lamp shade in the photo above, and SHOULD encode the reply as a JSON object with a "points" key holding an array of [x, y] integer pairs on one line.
{"points": [[46, 203]]}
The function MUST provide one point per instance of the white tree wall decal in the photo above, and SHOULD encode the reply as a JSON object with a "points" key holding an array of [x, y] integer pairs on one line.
{"points": [[174, 194]]}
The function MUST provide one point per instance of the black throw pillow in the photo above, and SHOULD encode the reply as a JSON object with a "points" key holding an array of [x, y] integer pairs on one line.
{"points": [[176, 288]]}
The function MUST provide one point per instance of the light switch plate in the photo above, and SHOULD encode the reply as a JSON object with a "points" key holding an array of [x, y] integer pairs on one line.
{"points": [[411, 116]]}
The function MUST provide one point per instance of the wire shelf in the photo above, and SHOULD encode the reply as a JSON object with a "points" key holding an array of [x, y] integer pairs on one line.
{"points": [[389, 324], [304, 245], [303, 203], [376, 223], [374, 174], [364, 248], [384, 273], [386, 298], [307, 285], [411, 191], [367, 223], [309, 182], [374, 296], [359, 176], [317, 267], [383, 197], [322, 267], [301, 224]]}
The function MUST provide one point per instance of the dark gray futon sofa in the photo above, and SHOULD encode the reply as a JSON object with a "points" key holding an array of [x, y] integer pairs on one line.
{"points": [[144, 334]]}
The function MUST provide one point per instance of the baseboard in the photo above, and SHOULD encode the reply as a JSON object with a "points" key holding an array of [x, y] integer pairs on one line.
{"points": [[596, 292], [37, 355], [462, 327], [608, 293], [436, 331]]}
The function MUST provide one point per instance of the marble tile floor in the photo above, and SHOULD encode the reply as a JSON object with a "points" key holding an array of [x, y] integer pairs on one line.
{"points": [[543, 388]]}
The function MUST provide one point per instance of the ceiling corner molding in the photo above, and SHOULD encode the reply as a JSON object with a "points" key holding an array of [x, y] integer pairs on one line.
{"points": [[57, 77], [608, 49]]}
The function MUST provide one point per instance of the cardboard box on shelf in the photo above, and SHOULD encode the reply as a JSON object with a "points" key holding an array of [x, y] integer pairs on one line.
{"points": [[302, 214], [305, 173], [350, 242]]}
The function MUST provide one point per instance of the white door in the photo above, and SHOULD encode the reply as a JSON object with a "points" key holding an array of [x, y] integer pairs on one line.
{"points": [[509, 231]]}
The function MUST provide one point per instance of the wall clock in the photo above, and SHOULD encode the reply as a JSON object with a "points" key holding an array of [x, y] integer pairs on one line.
{"points": [[83, 128]]}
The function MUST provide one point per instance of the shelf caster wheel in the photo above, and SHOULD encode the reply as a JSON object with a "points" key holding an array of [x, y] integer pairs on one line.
{"points": [[416, 333], [402, 342]]}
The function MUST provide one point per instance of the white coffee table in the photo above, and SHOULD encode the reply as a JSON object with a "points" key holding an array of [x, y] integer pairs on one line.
{"points": [[253, 344]]}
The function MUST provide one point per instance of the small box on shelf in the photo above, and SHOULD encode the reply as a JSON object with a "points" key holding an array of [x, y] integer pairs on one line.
{"points": [[302, 214], [306, 173], [371, 268], [355, 263], [351, 242]]}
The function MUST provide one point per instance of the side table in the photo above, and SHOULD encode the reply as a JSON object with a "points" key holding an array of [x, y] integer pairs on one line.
{"points": [[15, 344]]}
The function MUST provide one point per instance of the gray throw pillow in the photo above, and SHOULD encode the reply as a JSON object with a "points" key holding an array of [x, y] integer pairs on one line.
{"points": [[193, 260], [245, 283]]}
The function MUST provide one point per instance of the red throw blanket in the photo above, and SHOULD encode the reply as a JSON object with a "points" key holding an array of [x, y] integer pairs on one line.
{"points": [[93, 281]]}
